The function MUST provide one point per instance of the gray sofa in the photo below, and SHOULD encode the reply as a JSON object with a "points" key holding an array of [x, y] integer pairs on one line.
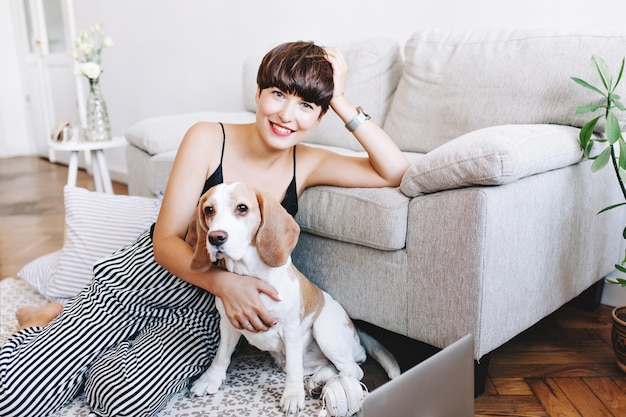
{"points": [[494, 226]]}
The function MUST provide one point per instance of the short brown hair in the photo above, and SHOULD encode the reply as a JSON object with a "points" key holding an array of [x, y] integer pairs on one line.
{"points": [[299, 68]]}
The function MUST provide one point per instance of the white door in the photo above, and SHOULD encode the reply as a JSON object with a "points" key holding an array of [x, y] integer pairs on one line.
{"points": [[48, 69]]}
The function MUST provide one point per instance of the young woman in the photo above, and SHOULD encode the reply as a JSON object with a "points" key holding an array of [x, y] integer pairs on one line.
{"points": [[146, 324]]}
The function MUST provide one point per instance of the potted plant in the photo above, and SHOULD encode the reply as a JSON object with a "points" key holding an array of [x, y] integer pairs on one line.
{"points": [[613, 149]]}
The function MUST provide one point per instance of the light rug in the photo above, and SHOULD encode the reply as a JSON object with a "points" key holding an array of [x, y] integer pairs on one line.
{"points": [[252, 388]]}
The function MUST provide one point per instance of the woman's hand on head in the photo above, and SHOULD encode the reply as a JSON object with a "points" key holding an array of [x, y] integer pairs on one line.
{"points": [[340, 70], [240, 295]]}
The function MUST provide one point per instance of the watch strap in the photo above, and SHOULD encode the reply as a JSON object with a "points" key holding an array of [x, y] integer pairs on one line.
{"points": [[357, 120]]}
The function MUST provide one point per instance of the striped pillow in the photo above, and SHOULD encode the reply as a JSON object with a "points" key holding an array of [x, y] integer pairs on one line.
{"points": [[97, 224]]}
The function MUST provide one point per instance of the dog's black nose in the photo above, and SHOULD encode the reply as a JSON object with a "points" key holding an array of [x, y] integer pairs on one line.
{"points": [[218, 237]]}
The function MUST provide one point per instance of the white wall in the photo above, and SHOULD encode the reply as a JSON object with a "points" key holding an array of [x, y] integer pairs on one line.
{"points": [[186, 55], [175, 56]]}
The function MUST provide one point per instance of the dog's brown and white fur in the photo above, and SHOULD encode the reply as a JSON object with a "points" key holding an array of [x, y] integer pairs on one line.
{"points": [[252, 234]]}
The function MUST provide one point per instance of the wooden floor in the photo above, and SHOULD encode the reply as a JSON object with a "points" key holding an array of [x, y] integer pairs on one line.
{"points": [[563, 366]]}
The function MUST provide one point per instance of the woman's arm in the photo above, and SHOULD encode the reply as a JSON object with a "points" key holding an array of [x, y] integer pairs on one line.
{"points": [[198, 154], [385, 164]]}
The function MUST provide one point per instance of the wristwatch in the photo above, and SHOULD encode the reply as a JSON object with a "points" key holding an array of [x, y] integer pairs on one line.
{"points": [[356, 122]]}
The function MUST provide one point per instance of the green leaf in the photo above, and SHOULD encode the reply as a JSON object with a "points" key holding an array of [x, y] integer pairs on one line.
{"points": [[613, 130], [589, 108], [586, 132], [621, 71], [619, 105], [603, 71], [601, 160], [620, 268], [589, 86], [611, 208], [617, 281], [588, 149], [622, 153]]}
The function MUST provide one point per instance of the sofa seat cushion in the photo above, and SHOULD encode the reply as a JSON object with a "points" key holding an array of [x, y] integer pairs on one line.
{"points": [[493, 156], [164, 133], [455, 82], [373, 217]]}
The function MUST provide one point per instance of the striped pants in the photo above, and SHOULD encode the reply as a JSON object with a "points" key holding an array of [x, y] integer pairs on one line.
{"points": [[129, 341]]}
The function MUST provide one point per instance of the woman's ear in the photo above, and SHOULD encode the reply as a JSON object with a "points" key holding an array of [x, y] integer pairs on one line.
{"points": [[258, 94]]}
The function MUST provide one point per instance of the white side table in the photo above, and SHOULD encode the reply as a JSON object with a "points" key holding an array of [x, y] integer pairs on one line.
{"points": [[99, 164]]}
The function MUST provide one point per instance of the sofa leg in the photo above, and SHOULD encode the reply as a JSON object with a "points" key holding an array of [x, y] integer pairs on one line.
{"points": [[590, 298], [481, 371]]}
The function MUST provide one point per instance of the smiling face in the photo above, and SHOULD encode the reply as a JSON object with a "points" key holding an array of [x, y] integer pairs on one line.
{"points": [[295, 86], [300, 69], [283, 118]]}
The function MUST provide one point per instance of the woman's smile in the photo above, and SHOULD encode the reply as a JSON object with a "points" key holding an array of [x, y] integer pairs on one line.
{"points": [[280, 130]]}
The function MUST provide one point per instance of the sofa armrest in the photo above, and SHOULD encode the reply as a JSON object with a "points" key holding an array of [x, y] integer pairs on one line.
{"points": [[164, 133], [493, 156]]}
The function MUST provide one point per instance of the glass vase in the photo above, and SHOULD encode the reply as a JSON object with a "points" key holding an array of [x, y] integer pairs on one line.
{"points": [[98, 128]]}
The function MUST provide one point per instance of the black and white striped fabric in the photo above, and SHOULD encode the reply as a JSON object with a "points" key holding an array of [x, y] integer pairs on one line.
{"points": [[132, 339]]}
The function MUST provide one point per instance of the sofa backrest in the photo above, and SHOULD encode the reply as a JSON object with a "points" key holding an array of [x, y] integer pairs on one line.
{"points": [[374, 69], [455, 82]]}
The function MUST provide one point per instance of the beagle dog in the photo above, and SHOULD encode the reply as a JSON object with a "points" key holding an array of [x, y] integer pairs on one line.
{"points": [[248, 232]]}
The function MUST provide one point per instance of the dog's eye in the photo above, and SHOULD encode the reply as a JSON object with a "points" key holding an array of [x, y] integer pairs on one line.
{"points": [[242, 209], [208, 210]]}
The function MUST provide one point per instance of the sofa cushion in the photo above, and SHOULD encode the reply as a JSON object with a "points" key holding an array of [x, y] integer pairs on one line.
{"points": [[374, 68], [493, 156], [373, 217], [455, 82], [164, 133]]}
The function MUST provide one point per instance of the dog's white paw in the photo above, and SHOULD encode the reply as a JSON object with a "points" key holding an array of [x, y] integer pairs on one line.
{"points": [[207, 384], [292, 400], [352, 370], [316, 382]]}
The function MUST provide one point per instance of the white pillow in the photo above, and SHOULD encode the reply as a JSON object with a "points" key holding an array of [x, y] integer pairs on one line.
{"points": [[39, 272], [493, 156], [97, 224]]}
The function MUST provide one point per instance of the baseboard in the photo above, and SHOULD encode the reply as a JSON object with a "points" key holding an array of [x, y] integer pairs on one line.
{"points": [[120, 177]]}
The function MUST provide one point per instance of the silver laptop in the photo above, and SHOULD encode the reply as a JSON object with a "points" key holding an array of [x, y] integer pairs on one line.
{"points": [[440, 386]]}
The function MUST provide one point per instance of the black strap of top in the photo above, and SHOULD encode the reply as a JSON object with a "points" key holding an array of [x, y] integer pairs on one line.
{"points": [[290, 201]]}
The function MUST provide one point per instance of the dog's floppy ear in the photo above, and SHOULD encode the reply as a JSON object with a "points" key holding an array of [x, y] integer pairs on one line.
{"points": [[278, 232], [196, 238]]}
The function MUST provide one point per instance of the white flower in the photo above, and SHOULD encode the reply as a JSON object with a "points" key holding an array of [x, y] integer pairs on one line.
{"points": [[86, 47], [107, 42], [90, 70], [87, 51]]}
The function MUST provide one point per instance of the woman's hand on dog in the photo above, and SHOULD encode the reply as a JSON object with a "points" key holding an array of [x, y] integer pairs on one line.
{"points": [[240, 295]]}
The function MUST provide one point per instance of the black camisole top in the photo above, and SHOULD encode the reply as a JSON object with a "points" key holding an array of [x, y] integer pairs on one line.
{"points": [[290, 201]]}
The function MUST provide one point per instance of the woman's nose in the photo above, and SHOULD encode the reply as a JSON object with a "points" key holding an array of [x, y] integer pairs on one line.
{"points": [[287, 111]]}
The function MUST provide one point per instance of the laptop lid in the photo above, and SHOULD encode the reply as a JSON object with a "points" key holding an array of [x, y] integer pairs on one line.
{"points": [[440, 386]]}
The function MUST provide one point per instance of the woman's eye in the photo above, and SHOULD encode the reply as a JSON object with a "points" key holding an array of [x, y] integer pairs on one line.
{"points": [[308, 106], [278, 93], [242, 209]]}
